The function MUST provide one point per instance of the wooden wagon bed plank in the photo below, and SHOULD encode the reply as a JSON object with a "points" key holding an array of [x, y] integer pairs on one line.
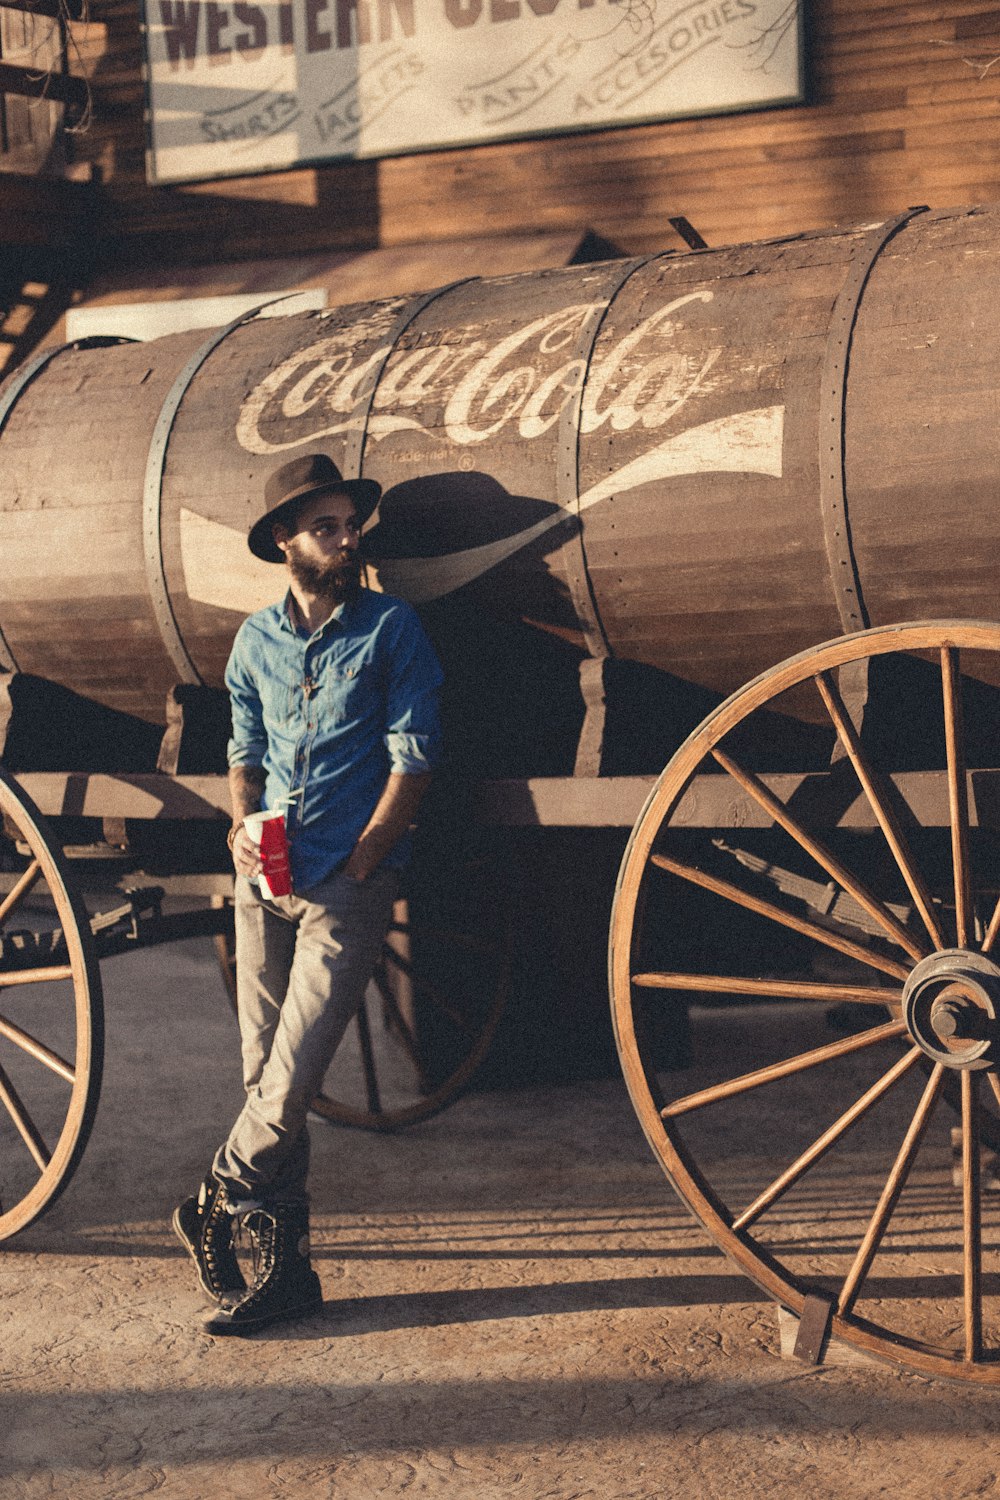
{"points": [[543, 801], [616, 801]]}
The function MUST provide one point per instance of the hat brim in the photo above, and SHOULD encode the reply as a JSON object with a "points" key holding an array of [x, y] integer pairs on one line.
{"points": [[364, 492]]}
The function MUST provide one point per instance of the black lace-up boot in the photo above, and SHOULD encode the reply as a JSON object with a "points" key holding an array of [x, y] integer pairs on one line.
{"points": [[204, 1226], [284, 1286]]}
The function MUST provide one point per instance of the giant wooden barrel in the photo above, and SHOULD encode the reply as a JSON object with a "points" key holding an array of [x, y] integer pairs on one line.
{"points": [[701, 462]]}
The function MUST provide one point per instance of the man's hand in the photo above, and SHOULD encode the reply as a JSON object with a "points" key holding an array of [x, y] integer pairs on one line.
{"points": [[369, 852], [246, 854], [396, 809], [246, 786]]}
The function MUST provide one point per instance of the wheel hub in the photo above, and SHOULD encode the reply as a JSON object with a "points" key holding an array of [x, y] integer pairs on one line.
{"points": [[950, 1004]]}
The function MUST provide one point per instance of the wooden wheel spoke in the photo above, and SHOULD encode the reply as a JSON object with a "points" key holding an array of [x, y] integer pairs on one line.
{"points": [[21, 889], [827, 1140], [895, 1183], [399, 1021], [824, 857], [972, 1232], [11, 1101], [368, 1060], [993, 931], [774, 913], [958, 792], [433, 994], [994, 1084], [887, 820], [798, 1064], [36, 1049], [50, 975], [778, 989]]}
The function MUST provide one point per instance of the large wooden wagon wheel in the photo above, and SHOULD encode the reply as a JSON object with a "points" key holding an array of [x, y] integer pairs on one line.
{"points": [[437, 995], [821, 1166], [51, 1018]]}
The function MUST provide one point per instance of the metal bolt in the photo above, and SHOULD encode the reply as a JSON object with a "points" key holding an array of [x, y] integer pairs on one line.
{"points": [[947, 1018]]}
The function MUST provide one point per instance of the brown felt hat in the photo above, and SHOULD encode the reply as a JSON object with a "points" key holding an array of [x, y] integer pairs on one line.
{"points": [[301, 479]]}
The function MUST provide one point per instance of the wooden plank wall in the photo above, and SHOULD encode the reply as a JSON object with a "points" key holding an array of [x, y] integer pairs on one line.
{"points": [[903, 107]]}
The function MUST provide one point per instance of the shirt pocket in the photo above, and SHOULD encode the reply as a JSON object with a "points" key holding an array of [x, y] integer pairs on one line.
{"points": [[282, 699], [348, 690]]}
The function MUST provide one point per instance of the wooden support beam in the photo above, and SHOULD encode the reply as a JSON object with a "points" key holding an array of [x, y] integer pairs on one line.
{"points": [[65, 88], [199, 724], [616, 801], [593, 687], [539, 802]]}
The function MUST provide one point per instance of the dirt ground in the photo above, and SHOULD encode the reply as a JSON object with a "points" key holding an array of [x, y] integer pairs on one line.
{"points": [[516, 1306]]}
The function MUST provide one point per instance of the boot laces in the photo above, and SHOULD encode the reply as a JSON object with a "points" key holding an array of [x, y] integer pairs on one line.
{"points": [[216, 1228], [257, 1230]]}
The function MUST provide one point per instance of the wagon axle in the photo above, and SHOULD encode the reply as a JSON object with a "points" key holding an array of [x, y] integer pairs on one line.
{"points": [[950, 1007]]}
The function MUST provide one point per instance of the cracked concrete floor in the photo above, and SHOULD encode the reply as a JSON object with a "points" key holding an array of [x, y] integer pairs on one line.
{"points": [[516, 1305]]}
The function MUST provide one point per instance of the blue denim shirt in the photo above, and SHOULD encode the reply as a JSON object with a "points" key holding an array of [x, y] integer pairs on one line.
{"points": [[328, 716]]}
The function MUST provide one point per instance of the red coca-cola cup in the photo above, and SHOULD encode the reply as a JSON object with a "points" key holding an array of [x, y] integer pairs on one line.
{"points": [[267, 831]]}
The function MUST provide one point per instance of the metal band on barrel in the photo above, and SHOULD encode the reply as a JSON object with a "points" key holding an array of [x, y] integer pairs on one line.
{"points": [[568, 462], [12, 394], [832, 415], [152, 497], [354, 449]]}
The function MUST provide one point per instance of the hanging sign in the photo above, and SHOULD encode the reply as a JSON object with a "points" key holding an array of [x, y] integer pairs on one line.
{"points": [[237, 87]]}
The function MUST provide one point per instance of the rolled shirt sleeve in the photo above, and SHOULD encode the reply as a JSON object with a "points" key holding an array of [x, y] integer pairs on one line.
{"points": [[248, 743], [412, 754], [413, 725]]}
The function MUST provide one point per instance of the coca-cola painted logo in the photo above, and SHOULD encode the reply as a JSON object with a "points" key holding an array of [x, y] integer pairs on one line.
{"points": [[455, 392], [324, 389]]}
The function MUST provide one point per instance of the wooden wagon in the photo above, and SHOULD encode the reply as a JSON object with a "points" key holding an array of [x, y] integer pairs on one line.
{"points": [[617, 493]]}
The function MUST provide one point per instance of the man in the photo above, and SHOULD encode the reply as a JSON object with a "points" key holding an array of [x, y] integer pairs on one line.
{"points": [[334, 698]]}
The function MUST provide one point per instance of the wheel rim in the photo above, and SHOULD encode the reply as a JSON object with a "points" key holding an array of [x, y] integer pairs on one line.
{"points": [[51, 1021], [874, 1107]]}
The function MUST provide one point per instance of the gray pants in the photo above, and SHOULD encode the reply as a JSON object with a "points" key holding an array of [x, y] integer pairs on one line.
{"points": [[302, 966]]}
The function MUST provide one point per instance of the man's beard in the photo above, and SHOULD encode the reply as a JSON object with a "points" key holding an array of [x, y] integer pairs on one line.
{"points": [[338, 579]]}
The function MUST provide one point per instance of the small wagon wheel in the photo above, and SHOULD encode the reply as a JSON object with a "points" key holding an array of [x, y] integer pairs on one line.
{"points": [[864, 1154], [51, 1019], [437, 995]]}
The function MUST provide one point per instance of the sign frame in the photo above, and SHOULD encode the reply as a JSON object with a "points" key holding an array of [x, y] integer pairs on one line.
{"points": [[772, 32]]}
